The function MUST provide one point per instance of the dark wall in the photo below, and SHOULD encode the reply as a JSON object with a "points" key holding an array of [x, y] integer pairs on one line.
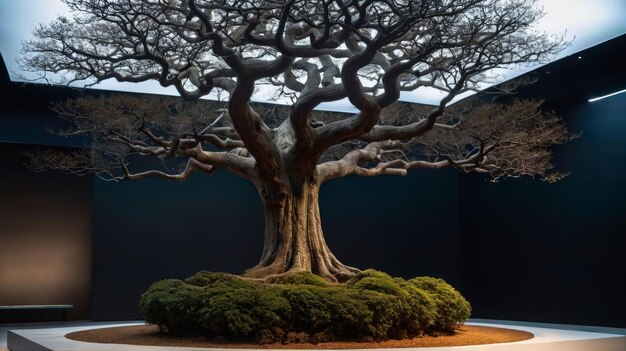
{"points": [[45, 236], [554, 252], [25, 115], [153, 229], [406, 226]]}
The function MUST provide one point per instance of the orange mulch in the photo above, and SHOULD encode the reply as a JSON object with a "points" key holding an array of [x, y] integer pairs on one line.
{"points": [[149, 335]]}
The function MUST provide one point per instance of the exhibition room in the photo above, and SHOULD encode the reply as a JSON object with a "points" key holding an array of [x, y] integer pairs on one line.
{"points": [[325, 174]]}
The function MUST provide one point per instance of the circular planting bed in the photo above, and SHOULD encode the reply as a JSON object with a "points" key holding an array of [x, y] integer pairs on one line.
{"points": [[302, 311], [150, 335], [303, 307]]}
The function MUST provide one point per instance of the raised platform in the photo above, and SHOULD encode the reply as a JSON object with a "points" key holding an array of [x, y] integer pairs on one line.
{"points": [[547, 338]]}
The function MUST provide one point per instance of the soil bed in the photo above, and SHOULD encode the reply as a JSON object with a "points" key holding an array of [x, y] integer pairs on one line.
{"points": [[149, 335]]}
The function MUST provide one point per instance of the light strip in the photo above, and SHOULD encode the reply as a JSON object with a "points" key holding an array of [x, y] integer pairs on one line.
{"points": [[606, 96]]}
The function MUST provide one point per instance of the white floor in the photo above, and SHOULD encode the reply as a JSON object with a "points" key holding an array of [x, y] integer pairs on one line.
{"points": [[41, 325], [547, 337]]}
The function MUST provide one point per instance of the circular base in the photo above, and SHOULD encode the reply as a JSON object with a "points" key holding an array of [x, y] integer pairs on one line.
{"points": [[547, 337], [149, 335]]}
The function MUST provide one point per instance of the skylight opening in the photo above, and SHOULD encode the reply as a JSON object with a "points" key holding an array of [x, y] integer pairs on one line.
{"points": [[18, 18]]}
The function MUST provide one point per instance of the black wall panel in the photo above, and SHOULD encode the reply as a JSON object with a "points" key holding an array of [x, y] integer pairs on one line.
{"points": [[554, 252]]}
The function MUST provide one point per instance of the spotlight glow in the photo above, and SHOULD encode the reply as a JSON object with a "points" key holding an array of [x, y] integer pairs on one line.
{"points": [[606, 96]]}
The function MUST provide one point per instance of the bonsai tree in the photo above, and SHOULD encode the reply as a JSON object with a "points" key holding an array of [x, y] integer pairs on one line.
{"points": [[312, 52]]}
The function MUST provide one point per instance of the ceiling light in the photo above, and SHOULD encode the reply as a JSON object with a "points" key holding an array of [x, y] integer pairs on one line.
{"points": [[606, 96]]}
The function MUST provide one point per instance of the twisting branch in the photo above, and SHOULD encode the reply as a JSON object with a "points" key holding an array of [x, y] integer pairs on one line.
{"points": [[191, 166], [120, 128], [315, 51], [508, 140]]}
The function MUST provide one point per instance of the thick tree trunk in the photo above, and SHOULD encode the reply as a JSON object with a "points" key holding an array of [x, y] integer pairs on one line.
{"points": [[294, 241]]}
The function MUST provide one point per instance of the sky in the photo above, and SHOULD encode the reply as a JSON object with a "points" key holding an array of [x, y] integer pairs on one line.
{"points": [[587, 23]]}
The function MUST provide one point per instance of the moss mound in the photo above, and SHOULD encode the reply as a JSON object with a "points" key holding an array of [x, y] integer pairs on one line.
{"points": [[303, 307]]}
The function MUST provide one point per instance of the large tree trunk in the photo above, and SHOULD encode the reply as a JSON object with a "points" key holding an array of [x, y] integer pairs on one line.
{"points": [[294, 241]]}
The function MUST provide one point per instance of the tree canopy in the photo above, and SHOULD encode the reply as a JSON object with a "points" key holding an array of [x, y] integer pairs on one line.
{"points": [[314, 52]]}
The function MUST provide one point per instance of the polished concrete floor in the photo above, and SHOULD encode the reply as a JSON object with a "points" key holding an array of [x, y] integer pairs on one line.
{"points": [[44, 325]]}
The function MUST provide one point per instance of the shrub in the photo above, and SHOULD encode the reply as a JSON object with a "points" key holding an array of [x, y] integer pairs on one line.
{"points": [[371, 305], [334, 309], [376, 281], [173, 305], [452, 308], [242, 312], [399, 308]]}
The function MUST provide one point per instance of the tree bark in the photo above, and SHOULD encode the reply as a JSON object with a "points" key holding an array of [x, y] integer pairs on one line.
{"points": [[294, 241]]}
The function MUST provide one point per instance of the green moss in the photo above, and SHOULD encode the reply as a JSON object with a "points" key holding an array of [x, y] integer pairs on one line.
{"points": [[372, 304], [303, 278], [205, 278]]}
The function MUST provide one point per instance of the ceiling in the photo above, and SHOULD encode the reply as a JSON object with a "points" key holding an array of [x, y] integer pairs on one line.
{"points": [[591, 73], [587, 23]]}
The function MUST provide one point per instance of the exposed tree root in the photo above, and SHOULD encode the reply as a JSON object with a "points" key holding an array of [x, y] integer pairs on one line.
{"points": [[294, 240]]}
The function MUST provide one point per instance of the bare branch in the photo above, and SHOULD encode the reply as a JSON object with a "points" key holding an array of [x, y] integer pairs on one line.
{"points": [[315, 51], [191, 166], [502, 140]]}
